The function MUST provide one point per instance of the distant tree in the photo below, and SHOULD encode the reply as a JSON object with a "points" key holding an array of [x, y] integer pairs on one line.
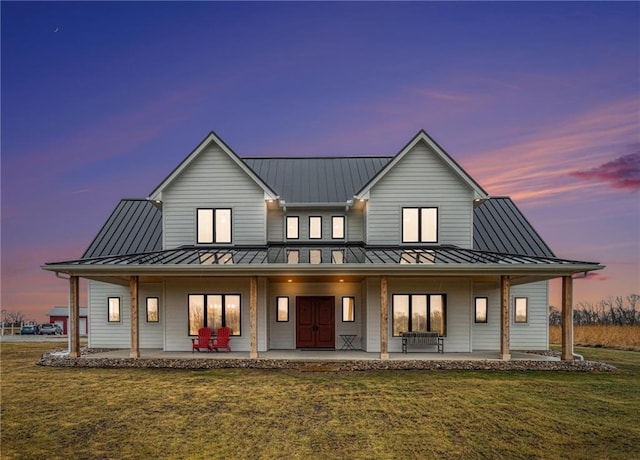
{"points": [[617, 311], [13, 318]]}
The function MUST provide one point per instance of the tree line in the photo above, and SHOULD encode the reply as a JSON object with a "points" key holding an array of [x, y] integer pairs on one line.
{"points": [[615, 311]]}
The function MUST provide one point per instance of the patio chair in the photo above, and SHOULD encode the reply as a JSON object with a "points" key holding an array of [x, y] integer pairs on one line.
{"points": [[204, 336], [221, 340]]}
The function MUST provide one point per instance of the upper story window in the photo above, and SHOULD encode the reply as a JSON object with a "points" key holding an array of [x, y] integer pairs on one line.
{"points": [[214, 225], [337, 227], [419, 225], [315, 227], [293, 227]]}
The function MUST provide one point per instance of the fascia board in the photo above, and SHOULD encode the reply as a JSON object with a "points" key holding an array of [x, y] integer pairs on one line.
{"points": [[156, 194], [308, 269]]}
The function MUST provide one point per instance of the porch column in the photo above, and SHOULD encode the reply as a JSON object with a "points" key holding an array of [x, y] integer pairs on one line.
{"points": [[135, 315], [384, 319], [253, 314], [567, 318], [505, 294], [74, 317]]}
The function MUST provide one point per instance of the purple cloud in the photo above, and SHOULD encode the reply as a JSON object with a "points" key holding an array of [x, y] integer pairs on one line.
{"points": [[621, 173]]}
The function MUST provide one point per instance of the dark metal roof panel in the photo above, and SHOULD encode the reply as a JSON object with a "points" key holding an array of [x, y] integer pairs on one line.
{"points": [[317, 179], [499, 226], [134, 226]]}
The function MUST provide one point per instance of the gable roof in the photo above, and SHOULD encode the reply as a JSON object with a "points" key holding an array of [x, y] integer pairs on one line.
{"points": [[422, 136], [318, 179], [211, 138], [134, 226], [499, 226], [64, 311]]}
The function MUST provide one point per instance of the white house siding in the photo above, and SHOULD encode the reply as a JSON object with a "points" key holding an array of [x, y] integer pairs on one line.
{"points": [[530, 336], [118, 335], [282, 335], [420, 179], [213, 180], [458, 298], [176, 309], [534, 334]]}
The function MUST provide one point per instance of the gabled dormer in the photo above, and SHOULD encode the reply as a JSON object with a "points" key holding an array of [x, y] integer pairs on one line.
{"points": [[213, 198], [421, 197]]}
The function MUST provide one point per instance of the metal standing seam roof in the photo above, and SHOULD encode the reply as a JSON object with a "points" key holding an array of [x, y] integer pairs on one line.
{"points": [[317, 179], [499, 226], [134, 226], [359, 254]]}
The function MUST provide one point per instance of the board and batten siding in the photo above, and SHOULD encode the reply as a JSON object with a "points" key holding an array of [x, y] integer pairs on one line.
{"points": [[420, 179], [282, 335], [532, 335], [213, 180], [103, 334], [276, 224]]}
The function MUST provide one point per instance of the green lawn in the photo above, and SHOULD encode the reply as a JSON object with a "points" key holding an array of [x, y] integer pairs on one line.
{"points": [[139, 413]]}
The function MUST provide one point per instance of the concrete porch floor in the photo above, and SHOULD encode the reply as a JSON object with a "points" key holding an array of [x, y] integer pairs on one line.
{"points": [[322, 355]]}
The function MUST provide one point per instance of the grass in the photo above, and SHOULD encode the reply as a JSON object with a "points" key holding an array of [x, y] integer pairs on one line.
{"points": [[618, 337], [144, 413]]}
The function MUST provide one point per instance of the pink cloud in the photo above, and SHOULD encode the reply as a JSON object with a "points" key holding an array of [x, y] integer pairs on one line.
{"points": [[594, 276], [621, 173]]}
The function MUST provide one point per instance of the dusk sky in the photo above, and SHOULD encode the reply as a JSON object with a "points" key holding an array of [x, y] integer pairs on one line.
{"points": [[100, 101]]}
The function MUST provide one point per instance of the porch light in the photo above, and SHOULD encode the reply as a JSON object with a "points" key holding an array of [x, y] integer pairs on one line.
{"points": [[289, 281]]}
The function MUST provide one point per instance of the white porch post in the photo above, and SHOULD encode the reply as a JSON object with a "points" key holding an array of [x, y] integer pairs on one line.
{"points": [[505, 294], [384, 319], [74, 317], [567, 318], [135, 315], [253, 305]]}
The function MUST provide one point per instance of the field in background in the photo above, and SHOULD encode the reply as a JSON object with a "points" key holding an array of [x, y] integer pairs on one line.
{"points": [[618, 337], [243, 413]]}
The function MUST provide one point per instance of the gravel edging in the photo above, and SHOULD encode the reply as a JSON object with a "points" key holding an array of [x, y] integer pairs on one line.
{"points": [[56, 360]]}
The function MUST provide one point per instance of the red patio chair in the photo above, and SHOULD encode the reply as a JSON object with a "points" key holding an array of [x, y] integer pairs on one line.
{"points": [[221, 340], [204, 336]]}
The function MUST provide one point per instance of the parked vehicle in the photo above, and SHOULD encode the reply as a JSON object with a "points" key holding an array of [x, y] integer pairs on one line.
{"points": [[49, 329], [29, 329], [58, 329]]}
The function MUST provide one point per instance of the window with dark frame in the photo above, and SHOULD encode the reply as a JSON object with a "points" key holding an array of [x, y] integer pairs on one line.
{"points": [[113, 305], [521, 307], [419, 313], [153, 314], [293, 227], [315, 227], [214, 311], [419, 225], [348, 309], [282, 309], [315, 256], [213, 225], [337, 227], [481, 309]]}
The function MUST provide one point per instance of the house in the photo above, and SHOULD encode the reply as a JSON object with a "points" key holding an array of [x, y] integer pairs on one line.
{"points": [[293, 253], [60, 316]]}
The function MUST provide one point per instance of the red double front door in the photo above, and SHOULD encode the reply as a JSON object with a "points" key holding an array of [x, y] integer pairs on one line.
{"points": [[315, 322]]}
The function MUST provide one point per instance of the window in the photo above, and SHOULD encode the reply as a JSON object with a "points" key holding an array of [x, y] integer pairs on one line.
{"points": [[521, 307], [337, 227], [315, 256], [337, 256], [292, 227], [214, 226], [214, 311], [418, 256], [481, 309], [348, 309], [153, 315], [293, 256], [315, 228], [282, 309], [419, 225], [419, 313], [114, 309]]}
